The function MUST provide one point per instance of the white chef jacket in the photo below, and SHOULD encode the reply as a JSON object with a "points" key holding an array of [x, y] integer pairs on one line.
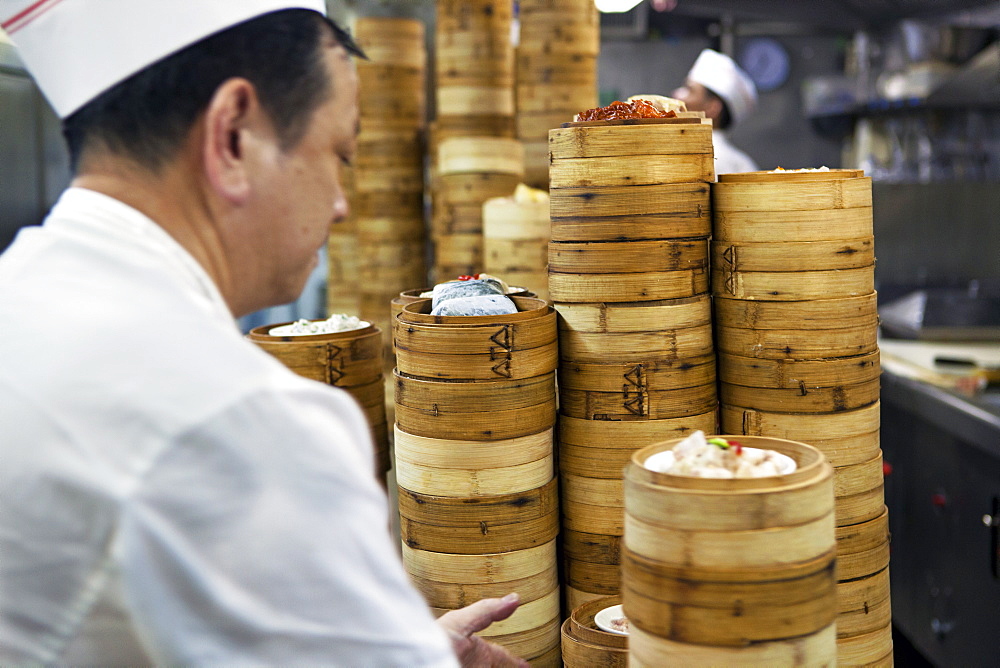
{"points": [[169, 493], [728, 158]]}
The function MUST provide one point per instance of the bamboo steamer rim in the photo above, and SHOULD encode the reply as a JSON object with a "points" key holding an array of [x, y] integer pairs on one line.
{"points": [[864, 536], [633, 121], [622, 434], [582, 626], [650, 651], [790, 177], [503, 508], [413, 295], [811, 466], [528, 308], [497, 567], [261, 334]]}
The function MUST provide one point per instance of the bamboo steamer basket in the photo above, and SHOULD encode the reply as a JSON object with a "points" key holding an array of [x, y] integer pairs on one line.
{"points": [[397, 41], [804, 191], [405, 101], [668, 344], [550, 659], [540, 644], [631, 403], [462, 219], [455, 595], [503, 508], [792, 226], [536, 164], [503, 255], [476, 188], [541, 68], [396, 204], [443, 397], [436, 481], [482, 125], [860, 492], [631, 317], [471, 454], [574, 598], [475, 100], [767, 542], [508, 219], [391, 229], [846, 437], [385, 278], [863, 549], [449, 422], [479, 568], [481, 538], [607, 257], [562, 38], [863, 605], [473, 10], [409, 296], [656, 376], [803, 399], [672, 137], [638, 286], [396, 179], [592, 518], [454, 70], [584, 645], [461, 155], [549, 97], [624, 213], [501, 355], [391, 256], [793, 256], [627, 170], [536, 125], [815, 314], [798, 374], [815, 650], [797, 344], [793, 285], [343, 359], [342, 274], [457, 254], [594, 578], [529, 615], [870, 649]]}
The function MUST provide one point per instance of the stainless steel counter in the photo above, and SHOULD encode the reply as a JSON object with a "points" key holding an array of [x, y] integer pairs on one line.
{"points": [[942, 452]]}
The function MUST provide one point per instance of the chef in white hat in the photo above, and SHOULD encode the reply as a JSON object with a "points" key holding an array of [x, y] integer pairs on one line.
{"points": [[170, 493], [717, 86]]}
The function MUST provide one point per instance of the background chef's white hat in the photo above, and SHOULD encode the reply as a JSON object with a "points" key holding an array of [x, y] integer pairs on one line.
{"points": [[77, 49], [718, 73]]}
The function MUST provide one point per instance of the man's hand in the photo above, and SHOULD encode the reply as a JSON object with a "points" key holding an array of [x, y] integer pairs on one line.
{"points": [[461, 626]]}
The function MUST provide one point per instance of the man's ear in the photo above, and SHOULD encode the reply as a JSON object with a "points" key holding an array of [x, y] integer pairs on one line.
{"points": [[713, 106], [230, 123]]}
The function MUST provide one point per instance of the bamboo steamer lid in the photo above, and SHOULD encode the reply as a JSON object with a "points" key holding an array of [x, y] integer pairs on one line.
{"points": [[632, 317], [479, 568], [461, 155], [628, 170], [542, 68], [821, 314], [863, 549], [622, 213], [803, 399], [670, 344], [870, 649], [798, 374], [863, 605], [846, 437], [600, 579], [793, 285], [615, 141], [817, 649], [585, 645], [502, 508], [794, 256], [631, 403], [629, 435], [792, 226], [452, 596], [660, 375], [475, 100], [342, 359], [607, 257], [480, 539], [631, 287], [797, 344]]}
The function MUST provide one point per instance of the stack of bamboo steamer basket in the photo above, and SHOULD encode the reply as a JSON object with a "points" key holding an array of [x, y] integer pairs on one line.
{"points": [[628, 273], [796, 327], [474, 154], [388, 206], [351, 360], [731, 572], [556, 74], [516, 239], [478, 504], [586, 645], [342, 258]]}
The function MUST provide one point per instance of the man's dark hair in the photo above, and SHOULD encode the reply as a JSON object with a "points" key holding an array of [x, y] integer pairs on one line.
{"points": [[724, 118], [148, 116]]}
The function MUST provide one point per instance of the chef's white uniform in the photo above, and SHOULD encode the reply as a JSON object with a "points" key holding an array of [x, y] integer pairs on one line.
{"points": [[728, 158], [169, 493]]}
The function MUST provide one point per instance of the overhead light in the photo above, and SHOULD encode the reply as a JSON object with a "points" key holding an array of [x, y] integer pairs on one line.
{"points": [[615, 6]]}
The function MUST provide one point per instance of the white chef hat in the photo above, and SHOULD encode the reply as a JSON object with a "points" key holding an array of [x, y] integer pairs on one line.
{"points": [[77, 49], [718, 73]]}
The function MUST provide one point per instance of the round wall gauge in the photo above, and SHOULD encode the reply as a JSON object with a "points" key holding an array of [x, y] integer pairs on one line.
{"points": [[766, 61]]}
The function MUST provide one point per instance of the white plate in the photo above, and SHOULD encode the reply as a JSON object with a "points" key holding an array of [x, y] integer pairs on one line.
{"points": [[662, 461], [604, 617]]}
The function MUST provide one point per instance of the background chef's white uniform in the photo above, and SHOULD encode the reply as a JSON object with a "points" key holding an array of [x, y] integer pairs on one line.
{"points": [[170, 493], [728, 158]]}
